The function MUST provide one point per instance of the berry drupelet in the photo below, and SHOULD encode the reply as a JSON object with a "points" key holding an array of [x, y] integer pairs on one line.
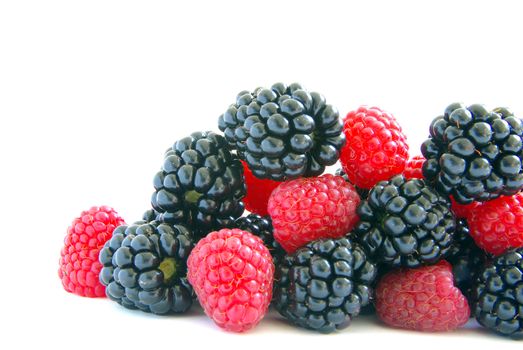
{"points": [[283, 132], [405, 223], [324, 284], [200, 185], [144, 267], [499, 295], [473, 154]]}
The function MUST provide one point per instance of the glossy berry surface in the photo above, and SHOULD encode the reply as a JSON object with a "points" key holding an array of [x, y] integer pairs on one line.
{"points": [[462, 211], [258, 192], [474, 154], [376, 148], [422, 299], [261, 226], [232, 274], [413, 168], [405, 223], [499, 295], [362, 192], [466, 258], [283, 132], [78, 266], [144, 267], [324, 285], [497, 225], [307, 209], [200, 184]]}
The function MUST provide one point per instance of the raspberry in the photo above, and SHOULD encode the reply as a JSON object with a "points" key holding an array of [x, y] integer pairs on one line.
{"points": [[422, 299], [307, 209], [405, 223], [497, 225], [376, 148], [413, 168], [258, 192], [79, 266], [499, 295], [283, 132], [232, 273], [324, 285], [144, 267], [473, 154], [462, 211]]}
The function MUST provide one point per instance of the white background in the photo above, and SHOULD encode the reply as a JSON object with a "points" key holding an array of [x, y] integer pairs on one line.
{"points": [[93, 92]]}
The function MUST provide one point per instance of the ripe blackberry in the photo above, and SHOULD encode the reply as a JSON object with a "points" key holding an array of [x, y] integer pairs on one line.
{"points": [[261, 226], [474, 154], [499, 295], [466, 259], [201, 184], [362, 192], [144, 267], [324, 284], [405, 223], [283, 132]]}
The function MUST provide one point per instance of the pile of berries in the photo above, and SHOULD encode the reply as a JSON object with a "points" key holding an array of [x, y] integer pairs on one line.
{"points": [[428, 241]]}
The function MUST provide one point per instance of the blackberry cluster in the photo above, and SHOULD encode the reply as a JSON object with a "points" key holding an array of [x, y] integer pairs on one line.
{"points": [[200, 185], [324, 284], [499, 295], [261, 226], [405, 223], [466, 259], [145, 266], [283, 132], [473, 154]]}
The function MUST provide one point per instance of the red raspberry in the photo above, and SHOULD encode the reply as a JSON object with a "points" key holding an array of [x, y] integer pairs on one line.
{"points": [[497, 225], [422, 299], [413, 168], [376, 148], [462, 211], [231, 272], [307, 209], [258, 192], [79, 265]]}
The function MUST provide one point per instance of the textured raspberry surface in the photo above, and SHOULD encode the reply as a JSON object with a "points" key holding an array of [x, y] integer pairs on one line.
{"points": [[376, 147], [413, 168], [422, 299], [497, 225], [462, 211], [258, 192], [79, 265], [232, 272], [307, 209]]}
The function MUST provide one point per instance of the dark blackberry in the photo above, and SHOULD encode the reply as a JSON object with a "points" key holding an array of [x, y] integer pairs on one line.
{"points": [[324, 284], [149, 215], [201, 184], [466, 259], [362, 192], [473, 154], [145, 266], [261, 226], [405, 223], [499, 295], [284, 132]]}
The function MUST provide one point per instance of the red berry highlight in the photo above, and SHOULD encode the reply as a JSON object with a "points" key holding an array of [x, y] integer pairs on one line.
{"points": [[258, 192], [307, 209], [79, 266], [232, 272], [413, 168]]}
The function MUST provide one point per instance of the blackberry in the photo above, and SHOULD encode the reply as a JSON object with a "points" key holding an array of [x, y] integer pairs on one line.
{"points": [[261, 226], [283, 132], [405, 223], [362, 192], [466, 259], [145, 266], [499, 295], [324, 284], [149, 215], [473, 154], [200, 184]]}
